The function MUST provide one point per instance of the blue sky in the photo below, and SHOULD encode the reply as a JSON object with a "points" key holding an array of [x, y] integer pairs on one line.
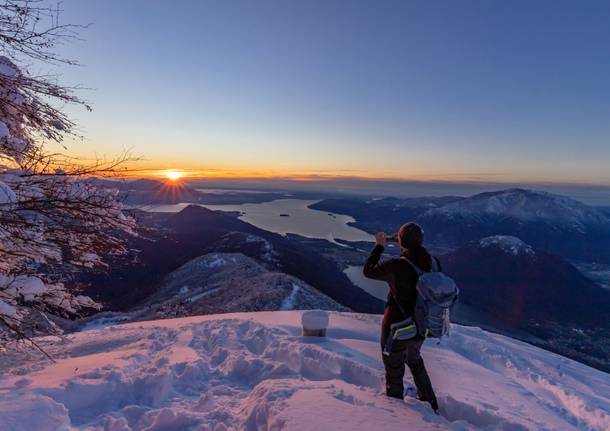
{"points": [[510, 91]]}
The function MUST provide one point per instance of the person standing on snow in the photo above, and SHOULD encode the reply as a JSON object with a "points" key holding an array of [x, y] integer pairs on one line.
{"points": [[402, 279]]}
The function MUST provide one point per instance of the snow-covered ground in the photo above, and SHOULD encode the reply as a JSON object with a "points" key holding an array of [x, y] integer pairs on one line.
{"points": [[254, 371]]}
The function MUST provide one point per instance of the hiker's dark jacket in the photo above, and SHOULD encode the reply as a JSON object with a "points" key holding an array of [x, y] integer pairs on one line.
{"points": [[402, 279]]}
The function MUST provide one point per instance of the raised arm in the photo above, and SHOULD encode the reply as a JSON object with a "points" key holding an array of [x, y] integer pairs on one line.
{"points": [[372, 267]]}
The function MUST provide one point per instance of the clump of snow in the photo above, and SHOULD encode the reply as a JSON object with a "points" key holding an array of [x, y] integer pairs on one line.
{"points": [[29, 287], [26, 287], [314, 320], [89, 260], [507, 243], [8, 68], [57, 124], [7, 195], [7, 309], [82, 301], [252, 371], [16, 145], [103, 320], [216, 260], [15, 290], [37, 412], [4, 133], [198, 296]]}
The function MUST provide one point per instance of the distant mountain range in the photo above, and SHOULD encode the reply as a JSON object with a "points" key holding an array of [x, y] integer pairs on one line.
{"points": [[385, 214], [550, 222], [553, 223], [160, 192]]}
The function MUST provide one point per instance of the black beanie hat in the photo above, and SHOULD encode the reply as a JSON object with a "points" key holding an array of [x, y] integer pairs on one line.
{"points": [[411, 235]]}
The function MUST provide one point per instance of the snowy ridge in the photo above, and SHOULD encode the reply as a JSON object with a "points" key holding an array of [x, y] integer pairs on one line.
{"points": [[253, 371], [230, 282], [264, 248], [525, 205], [508, 244]]}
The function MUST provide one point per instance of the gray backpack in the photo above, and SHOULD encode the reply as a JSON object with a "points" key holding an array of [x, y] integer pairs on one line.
{"points": [[436, 294]]}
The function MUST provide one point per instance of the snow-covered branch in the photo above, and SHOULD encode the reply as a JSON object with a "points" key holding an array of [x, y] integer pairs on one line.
{"points": [[53, 208]]}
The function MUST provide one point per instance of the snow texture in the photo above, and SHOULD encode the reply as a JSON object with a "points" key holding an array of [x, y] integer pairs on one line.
{"points": [[45, 217], [253, 371], [508, 244], [8, 68], [7, 195], [16, 145], [29, 287], [526, 206], [314, 320], [7, 309], [230, 282], [290, 300], [4, 133]]}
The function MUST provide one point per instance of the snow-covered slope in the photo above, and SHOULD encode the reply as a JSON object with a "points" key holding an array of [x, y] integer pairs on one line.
{"points": [[230, 282], [254, 371], [508, 244], [527, 206], [549, 222]]}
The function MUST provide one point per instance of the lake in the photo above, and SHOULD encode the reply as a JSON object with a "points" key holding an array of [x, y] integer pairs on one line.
{"points": [[378, 289], [285, 216]]}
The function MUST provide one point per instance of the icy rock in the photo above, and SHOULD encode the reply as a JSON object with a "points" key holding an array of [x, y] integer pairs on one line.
{"points": [[315, 323]]}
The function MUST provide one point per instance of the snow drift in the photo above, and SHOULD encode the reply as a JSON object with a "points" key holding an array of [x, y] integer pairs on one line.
{"points": [[254, 371]]}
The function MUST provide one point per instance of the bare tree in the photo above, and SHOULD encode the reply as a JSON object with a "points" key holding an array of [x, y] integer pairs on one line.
{"points": [[53, 209]]}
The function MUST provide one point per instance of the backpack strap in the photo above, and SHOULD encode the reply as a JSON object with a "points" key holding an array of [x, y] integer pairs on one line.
{"points": [[420, 271], [402, 310]]}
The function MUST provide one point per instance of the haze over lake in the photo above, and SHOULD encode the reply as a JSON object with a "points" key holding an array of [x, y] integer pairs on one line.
{"points": [[285, 216]]}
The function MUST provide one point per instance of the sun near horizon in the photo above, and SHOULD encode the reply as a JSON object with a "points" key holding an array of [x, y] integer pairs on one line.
{"points": [[173, 175]]}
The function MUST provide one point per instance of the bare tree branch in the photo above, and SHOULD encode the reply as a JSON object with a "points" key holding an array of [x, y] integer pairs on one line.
{"points": [[54, 208]]}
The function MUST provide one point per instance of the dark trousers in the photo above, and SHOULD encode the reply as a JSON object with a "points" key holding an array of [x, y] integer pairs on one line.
{"points": [[408, 352]]}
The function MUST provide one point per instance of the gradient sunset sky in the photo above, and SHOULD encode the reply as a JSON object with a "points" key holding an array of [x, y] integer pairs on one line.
{"points": [[449, 90]]}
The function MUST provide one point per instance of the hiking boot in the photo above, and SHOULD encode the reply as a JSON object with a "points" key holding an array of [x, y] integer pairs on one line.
{"points": [[411, 392]]}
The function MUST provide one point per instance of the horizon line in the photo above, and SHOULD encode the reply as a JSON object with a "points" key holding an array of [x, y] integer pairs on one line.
{"points": [[316, 176]]}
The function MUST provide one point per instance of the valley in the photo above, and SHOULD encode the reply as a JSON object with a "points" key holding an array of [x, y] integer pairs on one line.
{"points": [[508, 285]]}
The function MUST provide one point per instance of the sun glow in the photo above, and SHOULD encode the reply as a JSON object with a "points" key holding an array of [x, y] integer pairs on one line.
{"points": [[173, 175]]}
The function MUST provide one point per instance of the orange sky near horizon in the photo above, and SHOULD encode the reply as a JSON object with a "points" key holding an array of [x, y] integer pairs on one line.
{"points": [[179, 173]]}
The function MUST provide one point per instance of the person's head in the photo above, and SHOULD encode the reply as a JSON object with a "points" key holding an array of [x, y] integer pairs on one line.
{"points": [[410, 235]]}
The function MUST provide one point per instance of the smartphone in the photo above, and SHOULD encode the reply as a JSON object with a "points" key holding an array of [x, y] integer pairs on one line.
{"points": [[392, 238]]}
